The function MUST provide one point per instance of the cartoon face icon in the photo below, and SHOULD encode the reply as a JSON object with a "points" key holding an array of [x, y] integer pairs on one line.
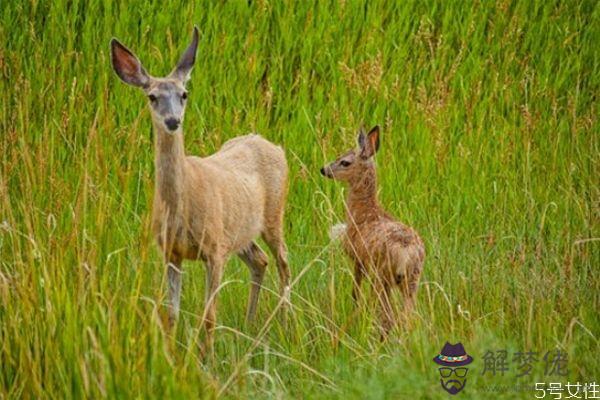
{"points": [[453, 373]]}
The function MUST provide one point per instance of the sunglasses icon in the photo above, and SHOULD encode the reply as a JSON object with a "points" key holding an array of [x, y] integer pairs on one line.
{"points": [[446, 372]]}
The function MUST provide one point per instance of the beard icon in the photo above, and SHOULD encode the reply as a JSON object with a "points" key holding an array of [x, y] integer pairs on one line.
{"points": [[452, 360], [453, 386]]}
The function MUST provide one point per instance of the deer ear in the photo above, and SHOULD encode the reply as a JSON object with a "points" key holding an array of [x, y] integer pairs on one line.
{"points": [[371, 144], [184, 67], [362, 138], [127, 66], [374, 138]]}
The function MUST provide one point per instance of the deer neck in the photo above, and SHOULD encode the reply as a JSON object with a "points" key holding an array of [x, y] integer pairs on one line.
{"points": [[362, 203], [169, 160]]}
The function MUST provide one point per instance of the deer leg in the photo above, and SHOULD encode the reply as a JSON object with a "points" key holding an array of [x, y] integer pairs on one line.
{"points": [[358, 277], [277, 246], [174, 281], [411, 298], [256, 259], [214, 273], [409, 286], [386, 313], [409, 306]]}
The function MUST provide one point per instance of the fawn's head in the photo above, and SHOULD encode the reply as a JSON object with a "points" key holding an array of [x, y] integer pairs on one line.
{"points": [[352, 164], [167, 96]]}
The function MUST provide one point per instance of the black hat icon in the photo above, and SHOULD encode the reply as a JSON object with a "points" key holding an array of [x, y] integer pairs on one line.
{"points": [[453, 355]]}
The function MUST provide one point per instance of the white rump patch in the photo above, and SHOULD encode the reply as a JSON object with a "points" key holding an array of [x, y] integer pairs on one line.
{"points": [[337, 231]]}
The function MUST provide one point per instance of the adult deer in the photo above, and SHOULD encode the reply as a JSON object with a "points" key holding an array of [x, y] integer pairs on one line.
{"points": [[209, 208]]}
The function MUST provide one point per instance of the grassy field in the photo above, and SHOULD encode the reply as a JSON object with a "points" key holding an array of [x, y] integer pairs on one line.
{"points": [[490, 149]]}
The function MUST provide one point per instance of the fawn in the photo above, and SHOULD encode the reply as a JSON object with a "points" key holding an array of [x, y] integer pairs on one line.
{"points": [[381, 247], [209, 208]]}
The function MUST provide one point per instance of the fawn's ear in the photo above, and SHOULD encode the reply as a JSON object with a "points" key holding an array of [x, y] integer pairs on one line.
{"points": [[362, 138], [127, 65], [184, 67], [369, 143]]}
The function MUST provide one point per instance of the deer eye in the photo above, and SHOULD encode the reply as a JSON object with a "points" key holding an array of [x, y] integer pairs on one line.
{"points": [[345, 163], [152, 98], [184, 95]]}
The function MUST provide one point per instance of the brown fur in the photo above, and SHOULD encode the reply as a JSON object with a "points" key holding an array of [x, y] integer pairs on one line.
{"points": [[381, 247]]}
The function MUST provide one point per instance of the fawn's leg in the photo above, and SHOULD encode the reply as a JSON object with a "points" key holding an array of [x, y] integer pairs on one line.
{"points": [[174, 281], [214, 273], [410, 298], [409, 287], [358, 277], [256, 259], [386, 313], [409, 306]]}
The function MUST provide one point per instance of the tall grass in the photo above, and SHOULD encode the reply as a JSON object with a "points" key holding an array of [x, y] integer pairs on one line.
{"points": [[490, 149]]}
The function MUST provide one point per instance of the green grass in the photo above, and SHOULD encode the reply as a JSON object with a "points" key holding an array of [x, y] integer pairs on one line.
{"points": [[490, 149]]}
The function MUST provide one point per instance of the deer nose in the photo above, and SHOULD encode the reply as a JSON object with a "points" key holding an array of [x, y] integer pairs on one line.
{"points": [[172, 123], [323, 171]]}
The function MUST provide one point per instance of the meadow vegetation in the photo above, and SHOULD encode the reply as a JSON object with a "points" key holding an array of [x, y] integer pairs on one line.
{"points": [[489, 147]]}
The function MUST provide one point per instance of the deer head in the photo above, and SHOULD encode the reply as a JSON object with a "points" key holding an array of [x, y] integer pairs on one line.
{"points": [[352, 164], [166, 96]]}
